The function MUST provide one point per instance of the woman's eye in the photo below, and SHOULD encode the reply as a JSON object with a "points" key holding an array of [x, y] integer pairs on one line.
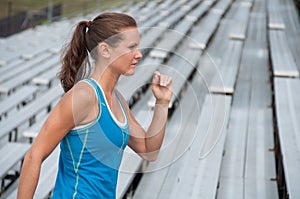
{"points": [[133, 47]]}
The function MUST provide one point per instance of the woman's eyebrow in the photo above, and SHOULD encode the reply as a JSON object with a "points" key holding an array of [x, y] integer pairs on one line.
{"points": [[134, 44]]}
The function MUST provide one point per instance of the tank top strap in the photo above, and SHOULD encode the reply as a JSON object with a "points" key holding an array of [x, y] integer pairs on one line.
{"points": [[96, 88], [100, 96], [121, 102]]}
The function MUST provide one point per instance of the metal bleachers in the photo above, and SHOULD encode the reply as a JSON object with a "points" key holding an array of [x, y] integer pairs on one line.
{"points": [[292, 31], [287, 113], [180, 169], [156, 172], [15, 70], [174, 36], [11, 154], [232, 130], [282, 59], [248, 164], [240, 21], [275, 18], [26, 114], [46, 180], [224, 81], [47, 77], [15, 100], [204, 31], [23, 78]]}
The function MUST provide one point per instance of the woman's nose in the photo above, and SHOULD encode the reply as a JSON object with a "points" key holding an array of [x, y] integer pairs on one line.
{"points": [[138, 54]]}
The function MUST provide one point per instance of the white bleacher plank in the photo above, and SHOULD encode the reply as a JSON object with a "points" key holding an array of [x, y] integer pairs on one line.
{"points": [[200, 173], [135, 9], [195, 14], [181, 179], [248, 165], [30, 110], [11, 153], [259, 188], [181, 147], [153, 178], [47, 77], [150, 37], [240, 21], [8, 86], [283, 61], [33, 130], [292, 31], [168, 22], [7, 67], [166, 9], [232, 170], [231, 188], [288, 117], [224, 80], [260, 161], [210, 22], [17, 98], [19, 46], [47, 177], [177, 14], [173, 37], [274, 12], [159, 53], [204, 31], [129, 167], [221, 7]]}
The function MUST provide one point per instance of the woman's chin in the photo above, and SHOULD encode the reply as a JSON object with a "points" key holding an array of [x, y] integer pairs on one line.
{"points": [[129, 72]]}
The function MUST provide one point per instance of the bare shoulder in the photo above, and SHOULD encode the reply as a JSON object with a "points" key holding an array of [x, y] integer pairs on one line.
{"points": [[83, 91], [83, 99], [83, 94]]}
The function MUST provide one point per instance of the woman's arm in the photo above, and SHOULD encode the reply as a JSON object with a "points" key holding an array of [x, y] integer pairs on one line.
{"points": [[63, 118], [147, 144]]}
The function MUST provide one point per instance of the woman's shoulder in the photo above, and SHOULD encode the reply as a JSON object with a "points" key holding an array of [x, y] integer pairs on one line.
{"points": [[82, 95], [83, 90]]}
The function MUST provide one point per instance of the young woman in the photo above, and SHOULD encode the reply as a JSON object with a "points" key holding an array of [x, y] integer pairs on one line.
{"points": [[92, 122]]}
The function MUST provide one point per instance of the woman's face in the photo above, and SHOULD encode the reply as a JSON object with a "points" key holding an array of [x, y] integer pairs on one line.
{"points": [[127, 53]]}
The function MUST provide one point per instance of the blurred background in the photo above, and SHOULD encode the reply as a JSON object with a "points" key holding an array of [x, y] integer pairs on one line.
{"points": [[17, 15]]}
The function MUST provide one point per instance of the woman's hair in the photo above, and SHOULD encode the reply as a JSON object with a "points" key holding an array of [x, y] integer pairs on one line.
{"points": [[86, 37]]}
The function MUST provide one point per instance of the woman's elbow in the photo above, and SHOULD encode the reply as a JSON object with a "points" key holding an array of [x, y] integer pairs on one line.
{"points": [[32, 157]]}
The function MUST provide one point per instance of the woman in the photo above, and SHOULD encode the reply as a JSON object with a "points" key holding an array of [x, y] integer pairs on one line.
{"points": [[92, 122]]}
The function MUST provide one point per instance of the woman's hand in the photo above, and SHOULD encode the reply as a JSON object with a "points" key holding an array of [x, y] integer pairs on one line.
{"points": [[162, 88]]}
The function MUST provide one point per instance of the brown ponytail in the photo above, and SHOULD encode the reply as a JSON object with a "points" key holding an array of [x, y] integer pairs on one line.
{"points": [[86, 37]]}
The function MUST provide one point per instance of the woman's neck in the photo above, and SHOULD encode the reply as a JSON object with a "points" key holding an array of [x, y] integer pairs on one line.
{"points": [[107, 79]]}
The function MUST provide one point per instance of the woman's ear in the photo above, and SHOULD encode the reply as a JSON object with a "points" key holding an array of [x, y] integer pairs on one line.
{"points": [[104, 50]]}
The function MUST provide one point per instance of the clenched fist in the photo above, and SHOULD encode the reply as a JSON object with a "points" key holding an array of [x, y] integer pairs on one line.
{"points": [[162, 88]]}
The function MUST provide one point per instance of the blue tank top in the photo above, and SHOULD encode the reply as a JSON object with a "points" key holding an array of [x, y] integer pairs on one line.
{"points": [[91, 155]]}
